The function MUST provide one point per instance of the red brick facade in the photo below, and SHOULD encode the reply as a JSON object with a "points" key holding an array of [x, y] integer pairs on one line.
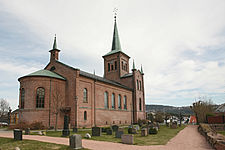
{"points": [[90, 109]]}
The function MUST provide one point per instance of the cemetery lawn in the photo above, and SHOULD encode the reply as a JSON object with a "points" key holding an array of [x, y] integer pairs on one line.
{"points": [[163, 136], [9, 143]]}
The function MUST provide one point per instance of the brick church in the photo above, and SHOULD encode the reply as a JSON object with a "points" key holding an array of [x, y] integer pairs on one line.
{"points": [[89, 100]]}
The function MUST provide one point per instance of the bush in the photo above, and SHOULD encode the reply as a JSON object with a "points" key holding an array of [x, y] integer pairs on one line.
{"points": [[153, 131], [36, 126], [141, 122], [21, 125]]}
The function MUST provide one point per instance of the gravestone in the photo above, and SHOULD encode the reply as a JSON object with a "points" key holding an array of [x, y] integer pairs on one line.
{"points": [[173, 126], [144, 132], [119, 133], [96, 131], [75, 141], [115, 128], [75, 130], [132, 131], [87, 135], [27, 131], [17, 134], [127, 139], [66, 131], [39, 133], [109, 131]]}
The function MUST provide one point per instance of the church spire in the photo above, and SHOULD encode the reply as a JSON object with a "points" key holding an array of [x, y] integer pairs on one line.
{"points": [[133, 65], [142, 70], [55, 44], [116, 41]]}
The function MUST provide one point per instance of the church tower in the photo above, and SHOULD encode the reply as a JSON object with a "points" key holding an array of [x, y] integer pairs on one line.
{"points": [[116, 62]]}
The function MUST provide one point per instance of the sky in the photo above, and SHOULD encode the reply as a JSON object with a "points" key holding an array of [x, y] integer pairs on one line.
{"points": [[179, 43]]}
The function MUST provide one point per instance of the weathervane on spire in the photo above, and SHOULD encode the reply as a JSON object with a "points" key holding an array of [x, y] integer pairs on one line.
{"points": [[115, 12]]}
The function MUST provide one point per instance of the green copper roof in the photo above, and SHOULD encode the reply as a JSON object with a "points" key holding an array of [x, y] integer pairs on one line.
{"points": [[116, 47], [133, 65], [55, 44], [141, 70], [116, 40], [45, 73]]}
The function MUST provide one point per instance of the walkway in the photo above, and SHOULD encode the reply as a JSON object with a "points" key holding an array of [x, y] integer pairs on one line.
{"points": [[187, 139]]}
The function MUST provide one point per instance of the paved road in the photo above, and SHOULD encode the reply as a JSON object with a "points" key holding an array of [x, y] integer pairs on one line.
{"points": [[187, 139]]}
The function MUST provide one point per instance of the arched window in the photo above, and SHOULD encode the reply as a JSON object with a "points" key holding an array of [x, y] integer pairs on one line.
{"points": [[40, 98], [85, 115], [115, 65], [137, 85], [111, 67], [122, 65], [22, 94], [85, 95], [125, 102], [106, 100], [113, 100], [108, 66], [140, 85], [119, 102], [140, 105]]}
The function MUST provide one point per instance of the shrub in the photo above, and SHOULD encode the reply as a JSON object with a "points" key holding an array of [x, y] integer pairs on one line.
{"points": [[153, 131], [37, 126], [21, 125], [141, 122]]}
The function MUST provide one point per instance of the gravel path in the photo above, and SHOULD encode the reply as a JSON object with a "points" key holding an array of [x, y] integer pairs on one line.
{"points": [[187, 139]]}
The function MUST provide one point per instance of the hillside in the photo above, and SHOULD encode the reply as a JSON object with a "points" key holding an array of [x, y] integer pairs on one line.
{"points": [[169, 109]]}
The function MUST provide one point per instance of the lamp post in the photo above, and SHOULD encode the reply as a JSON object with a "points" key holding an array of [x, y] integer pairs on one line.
{"points": [[75, 112]]}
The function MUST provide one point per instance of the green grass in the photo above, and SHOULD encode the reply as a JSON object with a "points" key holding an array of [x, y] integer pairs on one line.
{"points": [[163, 136], [10, 144], [221, 132]]}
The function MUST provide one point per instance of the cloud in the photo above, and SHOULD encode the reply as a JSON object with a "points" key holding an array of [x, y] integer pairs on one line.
{"points": [[179, 43]]}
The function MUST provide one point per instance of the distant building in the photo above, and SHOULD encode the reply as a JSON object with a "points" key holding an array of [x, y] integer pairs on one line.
{"points": [[193, 120], [14, 117], [89, 100]]}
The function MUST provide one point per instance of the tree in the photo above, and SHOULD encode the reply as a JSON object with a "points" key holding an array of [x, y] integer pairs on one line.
{"points": [[158, 117], [4, 107], [201, 108], [57, 103]]}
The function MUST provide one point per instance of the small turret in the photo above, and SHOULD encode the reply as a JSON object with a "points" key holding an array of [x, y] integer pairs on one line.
{"points": [[54, 51]]}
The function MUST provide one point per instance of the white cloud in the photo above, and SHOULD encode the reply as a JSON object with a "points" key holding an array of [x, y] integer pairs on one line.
{"points": [[156, 34]]}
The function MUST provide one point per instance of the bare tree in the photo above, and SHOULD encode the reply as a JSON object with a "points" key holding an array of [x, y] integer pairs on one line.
{"points": [[4, 107], [201, 108], [57, 104]]}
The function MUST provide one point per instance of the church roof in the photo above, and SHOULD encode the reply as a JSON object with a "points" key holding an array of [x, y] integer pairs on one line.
{"points": [[95, 77], [98, 78], [44, 73], [127, 75]]}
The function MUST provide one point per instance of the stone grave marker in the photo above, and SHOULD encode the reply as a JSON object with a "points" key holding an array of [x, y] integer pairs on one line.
{"points": [[75, 130], [119, 133], [132, 131], [66, 130], [76, 141], [127, 139], [144, 132], [87, 135], [115, 128], [17, 134], [96, 131], [109, 131], [27, 131]]}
